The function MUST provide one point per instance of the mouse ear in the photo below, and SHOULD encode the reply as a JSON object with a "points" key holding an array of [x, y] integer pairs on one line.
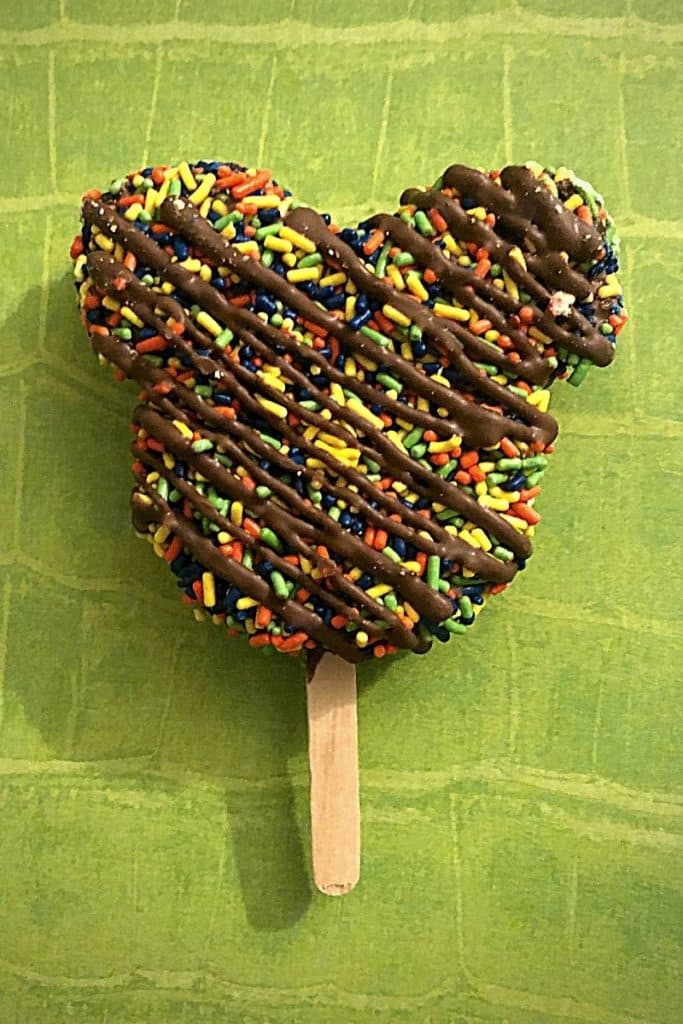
{"points": [[544, 256]]}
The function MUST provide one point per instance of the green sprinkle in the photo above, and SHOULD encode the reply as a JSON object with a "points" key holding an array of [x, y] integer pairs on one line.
{"points": [[375, 336], [205, 390], [312, 260], [391, 602], [423, 224], [162, 487], [446, 470], [390, 553], [373, 466], [276, 320], [248, 559], [444, 586], [267, 259], [224, 338], [204, 445], [334, 513], [465, 606], [270, 538], [389, 382], [124, 333], [310, 405], [222, 223], [534, 478], [278, 584], [496, 478], [174, 495], [418, 450], [534, 462], [413, 437], [263, 492], [433, 571], [269, 229], [381, 265], [503, 554], [509, 464], [579, 374], [175, 187], [453, 626], [271, 441]]}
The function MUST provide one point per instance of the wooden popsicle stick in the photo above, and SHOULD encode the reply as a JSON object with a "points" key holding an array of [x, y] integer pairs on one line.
{"points": [[333, 758]]}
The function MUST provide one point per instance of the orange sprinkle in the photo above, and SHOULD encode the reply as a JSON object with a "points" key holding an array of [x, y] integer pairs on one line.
{"points": [[477, 474], [482, 268], [173, 549], [262, 617], [250, 185], [509, 448], [373, 242], [481, 326], [469, 459], [260, 640], [428, 276], [338, 621], [381, 540]]}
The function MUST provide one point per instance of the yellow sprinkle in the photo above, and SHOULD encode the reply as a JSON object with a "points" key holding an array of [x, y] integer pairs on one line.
{"points": [[416, 287], [300, 241], [350, 307], [208, 323], [437, 377], [274, 382], [219, 207], [445, 446], [205, 272], [451, 244], [186, 176], [379, 590], [277, 410], [289, 259], [362, 638], [574, 202], [482, 539], [132, 317], [298, 275], [350, 368], [315, 464], [182, 428], [161, 534], [223, 537], [277, 244], [465, 535], [268, 202], [163, 191], [208, 589], [517, 255], [539, 335], [423, 404], [519, 524], [406, 351], [199, 614], [151, 197], [247, 248], [229, 232], [451, 312], [481, 488], [270, 370], [411, 566], [336, 442], [133, 211], [202, 193], [540, 399], [478, 212], [498, 504], [410, 612], [167, 288], [246, 602], [152, 478], [205, 207], [369, 364], [168, 460], [332, 280], [395, 277], [236, 513], [193, 265], [510, 286], [310, 432], [110, 303], [105, 242], [608, 291], [395, 314], [356, 406], [337, 393]]}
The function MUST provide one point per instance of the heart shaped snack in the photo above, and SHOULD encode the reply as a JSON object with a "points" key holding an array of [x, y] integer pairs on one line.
{"points": [[341, 433]]}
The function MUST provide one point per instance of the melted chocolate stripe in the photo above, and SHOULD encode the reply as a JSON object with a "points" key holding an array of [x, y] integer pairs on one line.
{"points": [[590, 344], [428, 602], [544, 428], [106, 272], [482, 427], [249, 583], [396, 633]]}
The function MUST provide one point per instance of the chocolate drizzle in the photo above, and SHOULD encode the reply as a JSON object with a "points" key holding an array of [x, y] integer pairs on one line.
{"points": [[527, 214]]}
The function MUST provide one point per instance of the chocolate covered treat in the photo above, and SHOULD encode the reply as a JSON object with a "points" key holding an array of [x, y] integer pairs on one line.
{"points": [[342, 432]]}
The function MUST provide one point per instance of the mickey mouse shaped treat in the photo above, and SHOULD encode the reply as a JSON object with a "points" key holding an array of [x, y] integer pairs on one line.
{"points": [[342, 432]]}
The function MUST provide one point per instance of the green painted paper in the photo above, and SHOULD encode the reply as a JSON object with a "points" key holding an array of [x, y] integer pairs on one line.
{"points": [[521, 788]]}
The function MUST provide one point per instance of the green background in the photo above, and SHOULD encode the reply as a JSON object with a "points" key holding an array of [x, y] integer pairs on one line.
{"points": [[520, 789]]}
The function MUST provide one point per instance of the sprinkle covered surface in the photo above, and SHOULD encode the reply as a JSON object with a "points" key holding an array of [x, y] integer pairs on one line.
{"points": [[341, 433]]}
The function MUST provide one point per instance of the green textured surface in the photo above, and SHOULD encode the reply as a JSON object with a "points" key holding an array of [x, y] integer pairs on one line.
{"points": [[521, 788]]}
